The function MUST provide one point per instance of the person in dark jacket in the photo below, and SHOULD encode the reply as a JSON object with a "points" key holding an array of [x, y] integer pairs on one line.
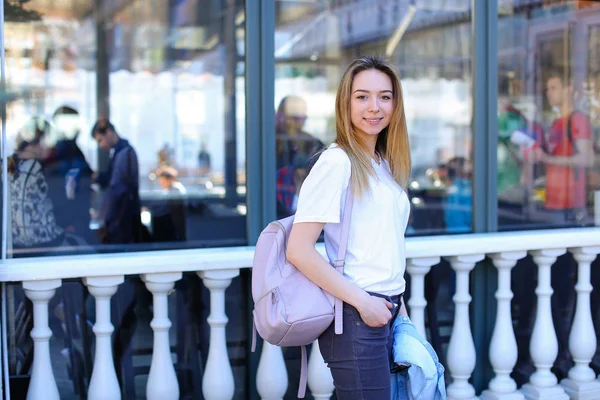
{"points": [[70, 177], [120, 209]]}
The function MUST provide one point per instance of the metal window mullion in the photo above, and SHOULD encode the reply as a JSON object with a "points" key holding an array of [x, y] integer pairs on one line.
{"points": [[492, 113], [260, 116], [267, 102], [485, 119], [3, 150], [260, 139], [4, 382], [253, 122]]}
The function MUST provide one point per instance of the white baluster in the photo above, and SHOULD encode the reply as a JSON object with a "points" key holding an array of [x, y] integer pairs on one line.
{"points": [[461, 350], [581, 383], [217, 383], [162, 380], [320, 380], [42, 385], [271, 375], [104, 384], [544, 345], [503, 347], [418, 268]]}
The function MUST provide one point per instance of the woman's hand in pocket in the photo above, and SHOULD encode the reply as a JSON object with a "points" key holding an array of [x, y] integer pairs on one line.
{"points": [[375, 311]]}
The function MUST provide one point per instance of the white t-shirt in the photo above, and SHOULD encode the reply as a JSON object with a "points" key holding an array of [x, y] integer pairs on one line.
{"points": [[376, 257]]}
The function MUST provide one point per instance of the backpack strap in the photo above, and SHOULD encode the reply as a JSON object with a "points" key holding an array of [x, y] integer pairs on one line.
{"points": [[341, 257], [303, 373], [253, 349]]}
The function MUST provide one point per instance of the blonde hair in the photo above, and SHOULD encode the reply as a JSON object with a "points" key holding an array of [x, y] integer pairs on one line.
{"points": [[392, 141]]}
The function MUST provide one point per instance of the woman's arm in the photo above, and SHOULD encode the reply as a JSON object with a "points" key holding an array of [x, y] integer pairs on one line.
{"points": [[301, 252]]}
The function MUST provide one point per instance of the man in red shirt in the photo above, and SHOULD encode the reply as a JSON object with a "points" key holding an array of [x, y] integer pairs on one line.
{"points": [[567, 154]]}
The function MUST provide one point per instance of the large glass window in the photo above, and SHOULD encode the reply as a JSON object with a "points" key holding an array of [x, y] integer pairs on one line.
{"points": [[126, 125], [315, 42], [126, 131], [548, 116]]}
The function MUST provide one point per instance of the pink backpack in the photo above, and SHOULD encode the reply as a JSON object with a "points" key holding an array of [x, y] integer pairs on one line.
{"points": [[289, 309]]}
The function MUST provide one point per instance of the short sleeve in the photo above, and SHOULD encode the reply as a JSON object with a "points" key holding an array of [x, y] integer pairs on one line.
{"points": [[581, 126], [321, 193]]}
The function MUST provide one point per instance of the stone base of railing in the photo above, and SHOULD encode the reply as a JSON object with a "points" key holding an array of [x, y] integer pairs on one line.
{"points": [[581, 390], [536, 393], [489, 395]]}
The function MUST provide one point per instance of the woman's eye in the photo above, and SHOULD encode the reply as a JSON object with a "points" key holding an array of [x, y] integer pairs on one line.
{"points": [[361, 97], [386, 97]]}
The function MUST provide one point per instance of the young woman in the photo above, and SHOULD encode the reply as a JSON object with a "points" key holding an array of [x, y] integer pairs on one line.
{"points": [[371, 149]]}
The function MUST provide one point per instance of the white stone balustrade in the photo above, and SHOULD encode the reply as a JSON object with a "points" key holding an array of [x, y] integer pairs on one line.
{"points": [[461, 350], [417, 269], [544, 344], [581, 383], [217, 267], [320, 381], [271, 375], [42, 384], [217, 383], [162, 380], [503, 346], [104, 384]]}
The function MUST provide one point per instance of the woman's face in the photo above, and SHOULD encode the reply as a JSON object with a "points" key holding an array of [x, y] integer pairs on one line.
{"points": [[371, 103]]}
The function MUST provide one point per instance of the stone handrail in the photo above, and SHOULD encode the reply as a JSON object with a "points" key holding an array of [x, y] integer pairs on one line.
{"points": [[64, 267]]}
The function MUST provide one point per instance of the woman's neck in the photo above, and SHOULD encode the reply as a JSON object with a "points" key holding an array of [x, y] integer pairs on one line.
{"points": [[371, 146]]}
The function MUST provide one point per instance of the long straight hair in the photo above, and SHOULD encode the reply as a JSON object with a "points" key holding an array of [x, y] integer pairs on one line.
{"points": [[392, 141]]}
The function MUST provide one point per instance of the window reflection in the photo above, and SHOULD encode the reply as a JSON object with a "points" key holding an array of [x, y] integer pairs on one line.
{"points": [[168, 79], [126, 130], [313, 45], [548, 121], [295, 151]]}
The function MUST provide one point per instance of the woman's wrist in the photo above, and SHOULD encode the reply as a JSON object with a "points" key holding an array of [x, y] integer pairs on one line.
{"points": [[359, 299]]}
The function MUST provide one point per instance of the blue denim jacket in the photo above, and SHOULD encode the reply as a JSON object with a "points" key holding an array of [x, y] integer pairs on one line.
{"points": [[424, 379]]}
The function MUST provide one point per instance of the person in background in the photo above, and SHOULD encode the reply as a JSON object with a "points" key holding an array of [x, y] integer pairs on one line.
{"points": [[165, 155], [33, 222], [593, 103], [295, 149], [168, 209], [291, 140], [458, 202], [120, 211], [516, 136], [567, 153], [289, 182], [204, 160], [510, 157], [70, 176]]}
